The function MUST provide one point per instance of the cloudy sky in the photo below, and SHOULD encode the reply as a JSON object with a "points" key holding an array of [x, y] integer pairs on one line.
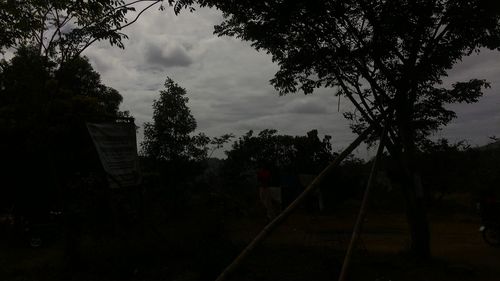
{"points": [[228, 82]]}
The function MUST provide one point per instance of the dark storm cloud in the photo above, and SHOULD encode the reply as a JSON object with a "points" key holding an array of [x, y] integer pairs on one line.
{"points": [[168, 57]]}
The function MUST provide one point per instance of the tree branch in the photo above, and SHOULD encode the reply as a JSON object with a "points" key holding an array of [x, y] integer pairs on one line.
{"points": [[118, 28]]}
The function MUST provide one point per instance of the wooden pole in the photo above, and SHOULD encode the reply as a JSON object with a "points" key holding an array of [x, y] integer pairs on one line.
{"points": [[283, 215], [362, 209]]}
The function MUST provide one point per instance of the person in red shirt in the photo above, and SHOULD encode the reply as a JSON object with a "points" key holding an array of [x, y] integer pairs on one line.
{"points": [[264, 179]]}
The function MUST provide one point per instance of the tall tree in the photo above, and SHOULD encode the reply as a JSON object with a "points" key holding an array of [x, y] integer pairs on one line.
{"points": [[387, 57], [43, 110], [33, 84], [169, 137]]}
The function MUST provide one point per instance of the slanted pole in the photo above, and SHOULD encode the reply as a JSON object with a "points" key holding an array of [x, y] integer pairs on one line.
{"points": [[283, 215], [362, 209]]}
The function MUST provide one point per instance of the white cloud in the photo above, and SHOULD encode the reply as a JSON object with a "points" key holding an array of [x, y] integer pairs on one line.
{"points": [[228, 82], [167, 56]]}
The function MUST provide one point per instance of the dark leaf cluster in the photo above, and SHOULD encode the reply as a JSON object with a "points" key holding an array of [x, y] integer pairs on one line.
{"points": [[63, 29], [170, 136], [305, 154]]}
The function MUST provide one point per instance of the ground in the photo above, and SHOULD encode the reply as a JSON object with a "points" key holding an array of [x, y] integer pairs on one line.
{"points": [[307, 244], [305, 247]]}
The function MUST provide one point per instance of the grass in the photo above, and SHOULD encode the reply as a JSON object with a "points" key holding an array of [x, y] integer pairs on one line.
{"points": [[197, 245]]}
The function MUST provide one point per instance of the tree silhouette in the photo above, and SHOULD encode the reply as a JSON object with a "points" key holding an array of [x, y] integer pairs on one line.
{"points": [[34, 84], [43, 110], [302, 154], [168, 137], [387, 57]]}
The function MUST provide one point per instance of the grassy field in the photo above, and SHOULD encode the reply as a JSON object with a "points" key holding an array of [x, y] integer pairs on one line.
{"points": [[308, 248], [197, 246]]}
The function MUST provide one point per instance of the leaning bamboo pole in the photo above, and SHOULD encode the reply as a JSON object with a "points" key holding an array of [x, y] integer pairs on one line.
{"points": [[362, 210], [283, 215]]}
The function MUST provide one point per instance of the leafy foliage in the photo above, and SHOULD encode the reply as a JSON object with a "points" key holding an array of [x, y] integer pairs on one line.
{"points": [[43, 110], [32, 84], [446, 167], [458, 167], [307, 154], [169, 137], [63, 29]]}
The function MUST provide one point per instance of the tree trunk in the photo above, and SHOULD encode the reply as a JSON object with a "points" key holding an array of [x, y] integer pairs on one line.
{"points": [[410, 180], [416, 214]]}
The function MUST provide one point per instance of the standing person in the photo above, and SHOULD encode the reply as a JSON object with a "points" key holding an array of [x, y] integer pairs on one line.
{"points": [[264, 179]]}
